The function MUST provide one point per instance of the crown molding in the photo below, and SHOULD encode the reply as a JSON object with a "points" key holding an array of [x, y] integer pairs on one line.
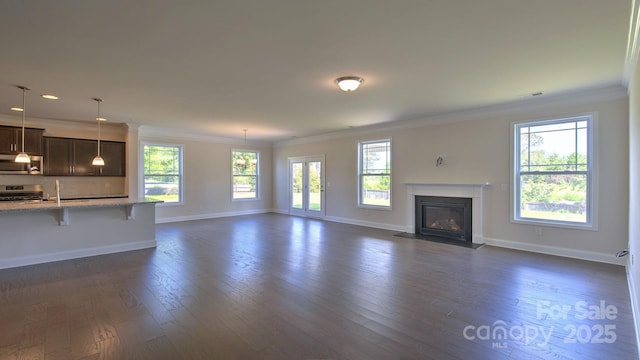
{"points": [[546, 102], [148, 131], [633, 46]]}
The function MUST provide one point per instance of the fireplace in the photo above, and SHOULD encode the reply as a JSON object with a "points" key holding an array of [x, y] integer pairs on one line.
{"points": [[473, 191], [448, 217]]}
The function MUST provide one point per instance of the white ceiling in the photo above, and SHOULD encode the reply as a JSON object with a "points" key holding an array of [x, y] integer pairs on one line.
{"points": [[217, 67]]}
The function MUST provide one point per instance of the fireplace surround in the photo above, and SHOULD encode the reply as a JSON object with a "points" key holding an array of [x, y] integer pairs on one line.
{"points": [[475, 192]]}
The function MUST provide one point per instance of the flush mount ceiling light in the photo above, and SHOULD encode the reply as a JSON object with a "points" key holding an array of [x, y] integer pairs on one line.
{"points": [[49, 97], [22, 157], [98, 160], [349, 83]]}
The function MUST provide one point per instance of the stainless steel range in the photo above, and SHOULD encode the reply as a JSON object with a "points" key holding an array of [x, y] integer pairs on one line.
{"points": [[21, 193]]}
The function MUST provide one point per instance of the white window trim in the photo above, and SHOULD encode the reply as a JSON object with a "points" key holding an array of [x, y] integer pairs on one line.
{"points": [[257, 198], [359, 176], [141, 183], [593, 205]]}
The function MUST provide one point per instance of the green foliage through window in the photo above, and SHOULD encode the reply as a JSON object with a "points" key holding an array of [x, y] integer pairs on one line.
{"points": [[162, 173], [553, 171], [244, 167], [375, 173]]}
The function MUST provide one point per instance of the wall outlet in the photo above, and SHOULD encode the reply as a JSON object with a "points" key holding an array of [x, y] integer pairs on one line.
{"points": [[538, 231], [504, 187]]}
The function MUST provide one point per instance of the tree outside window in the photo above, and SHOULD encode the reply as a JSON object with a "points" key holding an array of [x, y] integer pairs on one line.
{"points": [[244, 166], [553, 171], [375, 174], [163, 173]]}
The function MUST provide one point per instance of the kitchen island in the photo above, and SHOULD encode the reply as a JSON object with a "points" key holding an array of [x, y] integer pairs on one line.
{"points": [[39, 232]]}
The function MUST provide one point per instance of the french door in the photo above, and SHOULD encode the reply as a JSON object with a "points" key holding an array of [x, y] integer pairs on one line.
{"points": [[306, 186]]}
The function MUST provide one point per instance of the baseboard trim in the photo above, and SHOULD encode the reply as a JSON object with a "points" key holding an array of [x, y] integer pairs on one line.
{"points": [[635, 306], [557, 251], [211, 216], [370, 224], [74, 254]]}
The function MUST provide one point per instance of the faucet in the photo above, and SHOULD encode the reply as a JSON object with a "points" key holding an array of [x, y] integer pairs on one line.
{"points": [[58, 191]]}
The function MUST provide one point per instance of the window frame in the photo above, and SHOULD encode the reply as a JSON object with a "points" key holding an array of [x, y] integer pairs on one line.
{"points": [[361, 175], [257, 175], [181, 176], [591, 173]]}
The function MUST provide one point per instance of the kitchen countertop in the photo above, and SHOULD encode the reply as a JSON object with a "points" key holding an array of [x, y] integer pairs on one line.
{"points": [[20, 206], [83, 197]]}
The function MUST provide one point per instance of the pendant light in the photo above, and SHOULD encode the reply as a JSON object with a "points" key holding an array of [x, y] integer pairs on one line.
{"points": [[22, 157], [98, 160]]}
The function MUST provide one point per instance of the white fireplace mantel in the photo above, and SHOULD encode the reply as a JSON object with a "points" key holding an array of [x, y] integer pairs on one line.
{"points": [[473, 191]]}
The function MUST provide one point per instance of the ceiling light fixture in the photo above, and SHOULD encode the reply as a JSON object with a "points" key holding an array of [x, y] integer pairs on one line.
{"points": [[22, 157], [15, 108], [98, 160], [349, 83], [49, 97]]}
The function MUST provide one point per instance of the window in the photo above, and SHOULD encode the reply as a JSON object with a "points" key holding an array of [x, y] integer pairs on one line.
{"points": [[244, 167], [163, 173], [554, 178], [374, 174]]}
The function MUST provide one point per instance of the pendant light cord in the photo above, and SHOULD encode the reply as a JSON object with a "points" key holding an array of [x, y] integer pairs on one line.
{"points": [[24, 110], [98, 126]]}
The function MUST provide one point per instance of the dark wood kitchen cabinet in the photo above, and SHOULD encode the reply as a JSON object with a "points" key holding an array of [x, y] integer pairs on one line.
{"points": [[114, 154], [73, 157], [83, 153], [11, 140], [58, 156]]}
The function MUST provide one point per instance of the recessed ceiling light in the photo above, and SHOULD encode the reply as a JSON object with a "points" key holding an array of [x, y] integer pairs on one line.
{"points": [[349, 83], [49, 97], [17, 109]]}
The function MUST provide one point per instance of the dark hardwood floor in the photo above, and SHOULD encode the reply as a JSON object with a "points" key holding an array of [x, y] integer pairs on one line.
{"points": [[277, 287]]}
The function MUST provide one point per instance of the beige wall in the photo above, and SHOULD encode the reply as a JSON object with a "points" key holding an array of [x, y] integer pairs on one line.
{"points": [[207, 180], [634, 192], [477, 149]]}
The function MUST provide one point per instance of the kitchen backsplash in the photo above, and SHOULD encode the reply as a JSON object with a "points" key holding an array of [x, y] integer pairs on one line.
{"points": [[70, 185]]}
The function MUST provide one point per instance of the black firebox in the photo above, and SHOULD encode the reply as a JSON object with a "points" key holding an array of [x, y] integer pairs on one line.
{"points": [[447, 217]]}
